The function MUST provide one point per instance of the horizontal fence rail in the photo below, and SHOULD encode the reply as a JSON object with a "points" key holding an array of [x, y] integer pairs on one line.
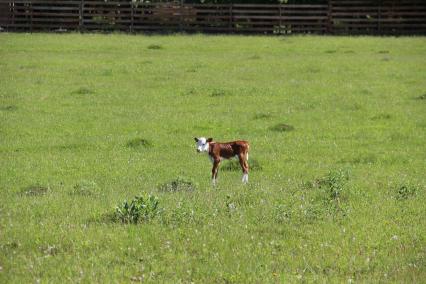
{"points": [[334, 17]]}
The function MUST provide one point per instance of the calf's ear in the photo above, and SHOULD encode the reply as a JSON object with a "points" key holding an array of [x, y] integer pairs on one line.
{"points": [[196, 139], [210, 140]]}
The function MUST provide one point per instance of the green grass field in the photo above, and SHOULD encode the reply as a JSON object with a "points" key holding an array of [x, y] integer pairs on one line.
{"points": [[89, 121]]}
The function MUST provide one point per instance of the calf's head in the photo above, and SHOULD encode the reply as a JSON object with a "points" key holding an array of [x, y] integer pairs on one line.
{"points": [[202, 144]]}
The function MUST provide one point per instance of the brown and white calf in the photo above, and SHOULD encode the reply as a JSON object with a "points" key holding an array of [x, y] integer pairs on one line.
{"points": [[218, 151]]}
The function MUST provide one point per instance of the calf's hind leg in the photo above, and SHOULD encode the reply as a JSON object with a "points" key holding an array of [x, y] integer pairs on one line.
{"points": [[244, 166]]}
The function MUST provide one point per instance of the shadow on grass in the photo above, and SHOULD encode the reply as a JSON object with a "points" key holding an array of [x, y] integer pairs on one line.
{"points": [[234, 165]]}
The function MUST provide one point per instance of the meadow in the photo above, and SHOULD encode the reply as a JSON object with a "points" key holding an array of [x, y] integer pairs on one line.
{"points": [[337, 127]]}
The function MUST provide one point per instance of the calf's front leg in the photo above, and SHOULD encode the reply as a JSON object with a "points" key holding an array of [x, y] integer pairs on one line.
{"points": [[215, 170]]}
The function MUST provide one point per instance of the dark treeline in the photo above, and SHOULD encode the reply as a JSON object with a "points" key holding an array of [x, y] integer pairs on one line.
{"points": [[239, 1]]}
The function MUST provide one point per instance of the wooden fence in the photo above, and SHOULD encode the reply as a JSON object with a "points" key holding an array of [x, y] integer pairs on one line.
{"points": [[331, 17]]}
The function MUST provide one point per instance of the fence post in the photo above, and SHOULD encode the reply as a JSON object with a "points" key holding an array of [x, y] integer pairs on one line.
{"points": [[330, 17], [31, 17], [379, 18], [280, 21], [181, 16], [131, 15], [80, 24], [230, 21]]}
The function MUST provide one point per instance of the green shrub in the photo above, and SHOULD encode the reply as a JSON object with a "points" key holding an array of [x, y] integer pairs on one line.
{"points": [[140, 209]]}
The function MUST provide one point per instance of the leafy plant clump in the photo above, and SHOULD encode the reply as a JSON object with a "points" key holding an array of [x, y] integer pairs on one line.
{"points": [[178, 184], [329, 196], [140, 209], [405, 191], [334, 183]]}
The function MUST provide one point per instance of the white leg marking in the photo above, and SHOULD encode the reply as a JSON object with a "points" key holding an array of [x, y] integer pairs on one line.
{"points": [[214, 181], [245, 178]]}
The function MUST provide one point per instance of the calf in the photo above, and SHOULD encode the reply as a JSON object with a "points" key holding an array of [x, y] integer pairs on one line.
{"points": [[218, 151]]}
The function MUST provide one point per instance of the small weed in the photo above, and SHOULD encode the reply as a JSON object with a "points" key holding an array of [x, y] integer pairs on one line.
{"points": [[35, 190], [138, 143], [230, 205], [330, 51], [83, 91], [313, 70], [85, 188], [281, 127], [49, 250], [140, 209], [107, 72], [381, 116], [8, 108], [405, 191], [383, 51], [190, 92], [327, 199], [234, 165], [282, 213], [182, 214], [368, 158], [178, 184], [422, 97], [154, 46], [219, 93], [334, 183], [254, 57], [262, 115]]}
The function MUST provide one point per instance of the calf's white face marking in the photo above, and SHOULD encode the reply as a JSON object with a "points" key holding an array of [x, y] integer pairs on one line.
{"points": [[202, 144]]}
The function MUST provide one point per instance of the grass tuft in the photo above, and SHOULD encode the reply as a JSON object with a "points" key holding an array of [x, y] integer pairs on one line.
{"points": [[138, 143], [422, 97], [262, 115], [178, 184], [382, 116], [405, 191], [219, 93], [83, 91], [8, 108], [35, 190], [282, 127], [154, 46], [85, 188]]}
